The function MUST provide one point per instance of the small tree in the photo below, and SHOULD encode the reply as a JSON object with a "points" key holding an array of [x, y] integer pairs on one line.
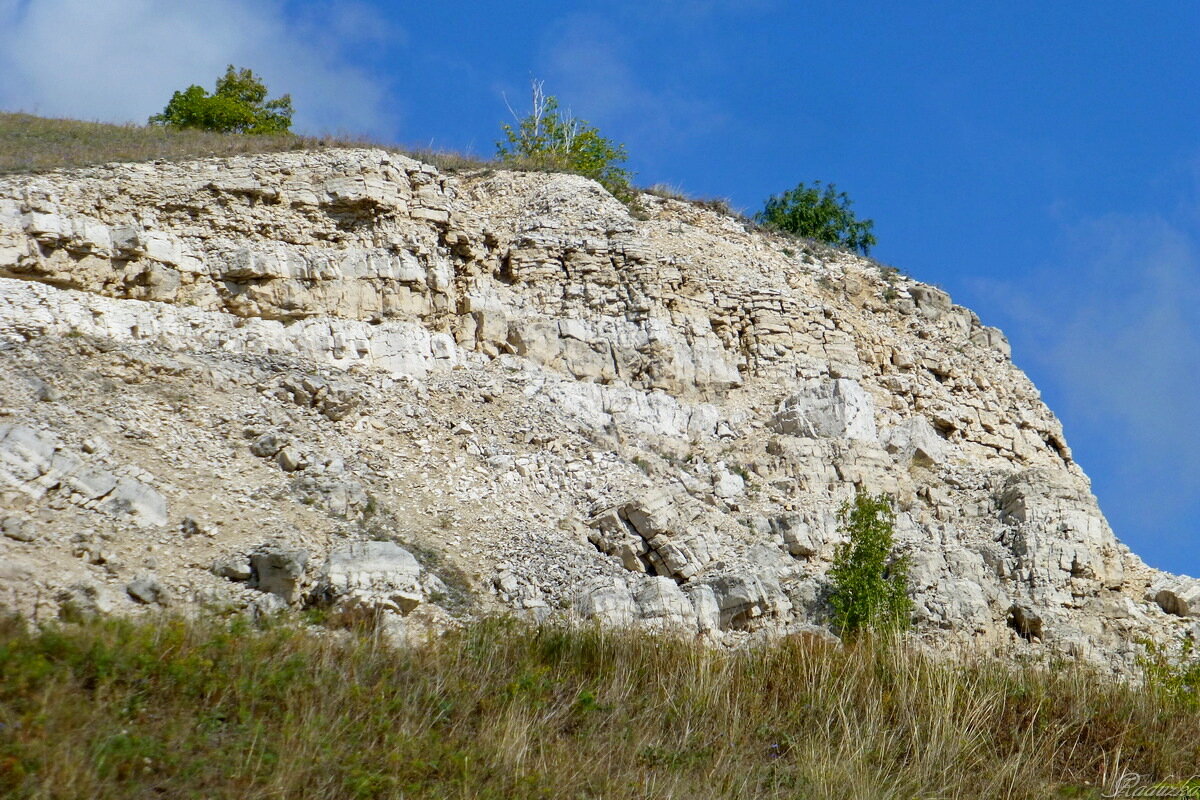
{"points": [[819, 214], [870, 586], [239, 105], [551, 139]]}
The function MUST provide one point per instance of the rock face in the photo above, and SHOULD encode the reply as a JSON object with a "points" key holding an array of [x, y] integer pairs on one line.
{"points": [[564, 409]]}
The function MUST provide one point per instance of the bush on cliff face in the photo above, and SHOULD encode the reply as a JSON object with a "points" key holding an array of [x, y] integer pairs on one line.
{"points": [[239, 105], [870, 586], [552, 139], [819, 214]]}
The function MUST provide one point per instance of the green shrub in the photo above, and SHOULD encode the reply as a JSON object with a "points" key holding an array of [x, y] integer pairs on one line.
{"points": [[870, 585], [239, 105], [549, 138], [819, 214]]}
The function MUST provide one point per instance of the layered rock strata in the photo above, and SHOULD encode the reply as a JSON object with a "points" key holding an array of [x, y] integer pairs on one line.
{"points": [[556, 406]]}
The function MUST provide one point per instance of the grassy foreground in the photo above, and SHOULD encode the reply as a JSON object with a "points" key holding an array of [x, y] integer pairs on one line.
{"points": [[168, 708]]}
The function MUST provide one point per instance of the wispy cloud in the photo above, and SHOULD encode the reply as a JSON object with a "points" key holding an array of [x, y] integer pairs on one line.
{"points": [[120, 60], [1114, 326], [591, 71]]}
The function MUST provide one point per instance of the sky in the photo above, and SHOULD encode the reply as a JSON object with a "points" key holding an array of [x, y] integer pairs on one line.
{"points": [[1039, 161]]}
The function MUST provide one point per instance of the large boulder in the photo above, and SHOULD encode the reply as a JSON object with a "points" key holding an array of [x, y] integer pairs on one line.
{"points": [[279, 570], [742, 597], [661, 604], [915, 442], [932, 302], [608, 601], [147, 589], [368, 578]]}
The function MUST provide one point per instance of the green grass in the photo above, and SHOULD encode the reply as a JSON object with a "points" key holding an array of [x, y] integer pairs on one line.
{"points": [[167, 708]]}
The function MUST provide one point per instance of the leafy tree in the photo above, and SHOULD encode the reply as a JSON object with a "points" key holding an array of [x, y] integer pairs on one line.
{"points": [[552, 139], [239, 105], [870, 586], [819, 214]]}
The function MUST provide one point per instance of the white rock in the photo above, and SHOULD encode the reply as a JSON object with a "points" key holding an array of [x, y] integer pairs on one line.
{"points": [[915, 441], [835, 409], [371, 577], [607, 601], [279, 570]]}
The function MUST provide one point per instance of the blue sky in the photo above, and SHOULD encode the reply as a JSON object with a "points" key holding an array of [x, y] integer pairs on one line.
{"points": [[1040, 161]]}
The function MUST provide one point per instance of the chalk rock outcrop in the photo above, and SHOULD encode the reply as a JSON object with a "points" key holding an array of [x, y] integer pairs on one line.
{"points": [[565, 409]]}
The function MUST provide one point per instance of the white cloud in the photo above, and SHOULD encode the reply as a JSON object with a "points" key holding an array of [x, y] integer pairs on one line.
{"points": [[1116, 326], [120, 60]]}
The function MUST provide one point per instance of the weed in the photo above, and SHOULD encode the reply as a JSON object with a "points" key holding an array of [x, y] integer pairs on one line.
{"points": [[1174, 678], [719, 205], [666, 192], [891, 277]]}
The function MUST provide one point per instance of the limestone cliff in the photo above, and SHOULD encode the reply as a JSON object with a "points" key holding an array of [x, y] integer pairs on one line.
{"points": [[220, 376]]}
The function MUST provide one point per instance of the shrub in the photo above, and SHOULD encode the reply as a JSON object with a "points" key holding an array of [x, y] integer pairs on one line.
{"points": [[870, 586], [819, 214], [551, 139], [239, 105]]}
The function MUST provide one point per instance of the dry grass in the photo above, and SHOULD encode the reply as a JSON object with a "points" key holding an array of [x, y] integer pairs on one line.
{"points": [[719, 205], [37, 144], [499, 710], [30, 144]]}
